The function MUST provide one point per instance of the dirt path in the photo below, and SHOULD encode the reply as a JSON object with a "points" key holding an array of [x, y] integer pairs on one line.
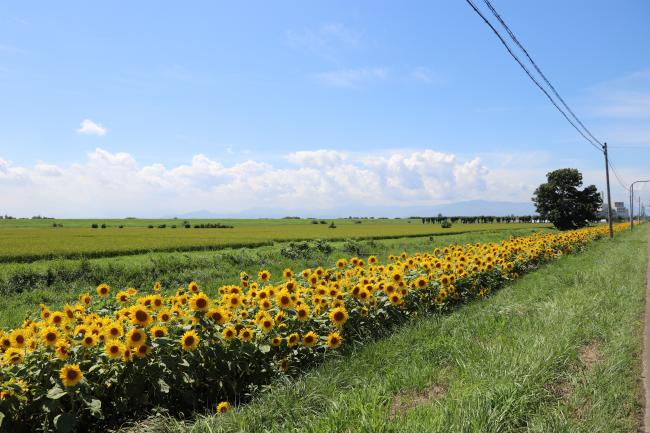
{"points": [[646, 350]]}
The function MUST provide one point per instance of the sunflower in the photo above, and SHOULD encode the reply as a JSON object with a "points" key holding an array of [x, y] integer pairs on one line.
{"points": [[266, 324], [157, 286], [140, 316], [334, 340], [103, 290], [395, 299], [293, 339], [287, 273], [18, 338], [114, 349], [89, 340], [136, 337], [265, 304], [142, 351], [302, 312], [13, 355], [127, 354], [283, 365], [223, 407], [164, 316], [338, 316], [264, 275], [284, 299], [229, 333], [62, 349], [114, 330], [57, 318], [85, 298], [50, 335], [189, 340], [70, 374], [193, 287], [159, 332], [245, 334], [341, 263], [233, 301], [218, 315], [200, 302], [310, 339], [276, 341], [122, 297]]}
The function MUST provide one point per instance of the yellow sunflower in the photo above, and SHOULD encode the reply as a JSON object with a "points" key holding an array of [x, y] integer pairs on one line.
{"points": [[159, 332], [50, 335], [245, 334], [338, 316], [229, 333], [103, 290], [70, 374], [200, 302], [189, 340], [140, 316], [223, 407], [310, 339], [114, 349], [334, 340], [136, 337]]}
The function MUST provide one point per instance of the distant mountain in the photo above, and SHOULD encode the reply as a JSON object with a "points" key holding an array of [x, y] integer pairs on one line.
{"points": [[463, 208]]}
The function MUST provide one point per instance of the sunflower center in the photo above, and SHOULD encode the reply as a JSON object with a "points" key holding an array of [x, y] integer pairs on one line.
{"points": [[141, 315]]}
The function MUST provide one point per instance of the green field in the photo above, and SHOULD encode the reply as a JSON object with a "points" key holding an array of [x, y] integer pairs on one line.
{"points": [[30, 240], [558, 351], [54, 282]]}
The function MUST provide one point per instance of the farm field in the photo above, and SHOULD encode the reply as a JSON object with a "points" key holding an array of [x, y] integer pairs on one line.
{"points": [[56, 282], [30, 240], [467, 268], [557, 351]]}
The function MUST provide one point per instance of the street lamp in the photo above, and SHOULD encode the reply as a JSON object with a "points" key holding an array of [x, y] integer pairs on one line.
{"points": [[632, 202]]}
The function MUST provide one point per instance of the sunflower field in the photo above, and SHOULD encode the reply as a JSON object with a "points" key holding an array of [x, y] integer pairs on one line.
{"points": [[116, 356]]}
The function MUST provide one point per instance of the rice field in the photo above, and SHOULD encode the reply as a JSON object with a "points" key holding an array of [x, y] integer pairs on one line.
{"points": [[31, 240]]}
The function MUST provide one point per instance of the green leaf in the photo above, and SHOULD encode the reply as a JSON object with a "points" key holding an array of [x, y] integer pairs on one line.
{"points": [[64, 423], [2, 416], [163, 386], [56, 393], [95, 406]]}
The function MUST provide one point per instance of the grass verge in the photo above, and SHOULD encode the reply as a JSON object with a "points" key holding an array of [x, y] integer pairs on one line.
{"points": [[558, 351]]}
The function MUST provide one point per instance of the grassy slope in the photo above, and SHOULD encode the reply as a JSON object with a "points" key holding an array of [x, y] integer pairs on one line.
{"points": [[509, 364], [210, 269], [33, 242]]}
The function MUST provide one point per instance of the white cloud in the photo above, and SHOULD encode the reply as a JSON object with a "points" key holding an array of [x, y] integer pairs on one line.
{"points": [[91, 128], [350, 78], [328, 40], [422, 74], [114, 184]]}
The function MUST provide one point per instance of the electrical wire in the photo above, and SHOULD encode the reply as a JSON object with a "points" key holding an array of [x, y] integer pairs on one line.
{"points": [[598, 146], [537, 68]]}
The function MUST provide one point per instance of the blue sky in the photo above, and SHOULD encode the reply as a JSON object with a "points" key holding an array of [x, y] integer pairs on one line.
{"points": [[231, 103]]}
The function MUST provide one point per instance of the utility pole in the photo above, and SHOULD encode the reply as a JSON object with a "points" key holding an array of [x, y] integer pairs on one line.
{"points": [[609, 194]]}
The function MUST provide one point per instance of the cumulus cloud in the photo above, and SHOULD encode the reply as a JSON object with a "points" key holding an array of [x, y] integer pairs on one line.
{"points": [[111, 184], [91, 128]]}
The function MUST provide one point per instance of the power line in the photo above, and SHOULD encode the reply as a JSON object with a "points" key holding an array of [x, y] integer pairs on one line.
{"points": [[530, 59], [623, 184], [514, 56]]}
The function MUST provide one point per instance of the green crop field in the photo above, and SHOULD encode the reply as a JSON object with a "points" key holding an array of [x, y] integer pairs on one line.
{"points": [[30, 240], [57, 281]]}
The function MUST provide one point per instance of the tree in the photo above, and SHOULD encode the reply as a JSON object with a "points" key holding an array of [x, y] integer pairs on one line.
{"points": [[561, 202]]}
